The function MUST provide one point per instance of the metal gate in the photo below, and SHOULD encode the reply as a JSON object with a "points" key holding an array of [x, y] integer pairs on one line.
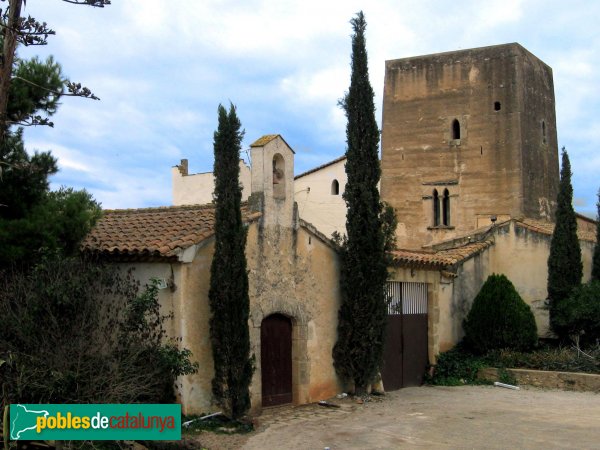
{"points": [[405, 354]]}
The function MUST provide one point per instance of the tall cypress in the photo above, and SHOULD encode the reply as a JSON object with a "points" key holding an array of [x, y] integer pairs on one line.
{"points": [[596, 259], [228, 294], [361, 320], [565, 268]]}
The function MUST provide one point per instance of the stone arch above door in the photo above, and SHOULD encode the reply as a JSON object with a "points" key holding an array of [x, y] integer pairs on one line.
{"points": [[300, 360]]}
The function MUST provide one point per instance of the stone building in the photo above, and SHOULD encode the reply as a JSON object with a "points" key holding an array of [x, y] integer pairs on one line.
{"points": [[293, 282], [470, 163], [467, 136]]}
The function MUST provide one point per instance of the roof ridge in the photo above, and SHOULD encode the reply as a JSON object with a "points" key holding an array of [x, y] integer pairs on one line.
{"points": [[195, 206], [322, 166]]}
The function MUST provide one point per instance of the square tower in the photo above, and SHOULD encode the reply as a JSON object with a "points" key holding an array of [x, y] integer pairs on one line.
{"points": [[468, 135]]}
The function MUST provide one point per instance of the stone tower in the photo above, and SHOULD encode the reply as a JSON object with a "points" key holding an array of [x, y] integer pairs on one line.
{"points": [[272, 179], [467, 136]]}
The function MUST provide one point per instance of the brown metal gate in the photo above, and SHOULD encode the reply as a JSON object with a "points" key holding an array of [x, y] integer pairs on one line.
{"points": [[405, 352], [276, 360]]}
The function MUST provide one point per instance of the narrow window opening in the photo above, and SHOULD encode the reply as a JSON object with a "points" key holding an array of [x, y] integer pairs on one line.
{"points": [[497, 106], [335, 187], [446, 208], [455, 129], [543, 131], [278, 176], [436, 208], [481, 149]]}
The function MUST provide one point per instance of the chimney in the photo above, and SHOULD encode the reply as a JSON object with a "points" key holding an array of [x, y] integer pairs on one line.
{"points": [[183, 167]]}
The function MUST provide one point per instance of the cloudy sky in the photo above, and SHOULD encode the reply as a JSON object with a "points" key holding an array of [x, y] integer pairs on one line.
{"points": [[162, 67]]}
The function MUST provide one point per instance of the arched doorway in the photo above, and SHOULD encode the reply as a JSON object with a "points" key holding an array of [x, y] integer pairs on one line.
{"points": [[276, 360]]}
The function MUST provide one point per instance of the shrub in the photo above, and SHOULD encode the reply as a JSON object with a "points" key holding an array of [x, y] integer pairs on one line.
{"points": [[74, 331], [562, 359], [499, 318], [456, 367], [579, 314]]}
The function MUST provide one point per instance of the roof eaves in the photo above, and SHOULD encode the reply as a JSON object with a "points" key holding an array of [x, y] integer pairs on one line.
{"points": [[315, 232]]}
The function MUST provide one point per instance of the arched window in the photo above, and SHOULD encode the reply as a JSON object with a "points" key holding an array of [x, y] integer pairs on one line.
{"points": [[455, 129], [278, 176], [335, 187], [446, 208], [436, 208]]}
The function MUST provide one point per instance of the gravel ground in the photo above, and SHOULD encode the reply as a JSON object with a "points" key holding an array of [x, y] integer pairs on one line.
{"points": [[430, 417]]}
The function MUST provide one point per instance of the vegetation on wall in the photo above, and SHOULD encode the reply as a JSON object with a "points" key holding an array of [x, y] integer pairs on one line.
{"points": [[499, 319], [76, 331], [358, 351], [565, 268], [460, 366], [228, 294]]}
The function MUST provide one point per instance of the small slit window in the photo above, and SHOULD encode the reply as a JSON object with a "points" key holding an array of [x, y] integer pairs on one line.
{"points": [[455, 129], [436, 208], [497, 106], [544, 131], [335, 187]]}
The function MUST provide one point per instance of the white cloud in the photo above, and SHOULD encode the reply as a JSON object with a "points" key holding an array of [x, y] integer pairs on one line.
{"points": [[161, 68]]}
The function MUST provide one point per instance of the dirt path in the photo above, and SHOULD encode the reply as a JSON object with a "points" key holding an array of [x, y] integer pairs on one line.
{"points": [[434, 417]]}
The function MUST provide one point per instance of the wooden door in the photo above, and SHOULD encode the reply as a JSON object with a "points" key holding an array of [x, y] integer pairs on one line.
{"points": [[276, 360]]}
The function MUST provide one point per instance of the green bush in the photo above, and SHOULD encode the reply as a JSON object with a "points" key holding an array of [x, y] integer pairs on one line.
{"points": [[579, 314], [499, 319], [456, 367], [76, 331]]}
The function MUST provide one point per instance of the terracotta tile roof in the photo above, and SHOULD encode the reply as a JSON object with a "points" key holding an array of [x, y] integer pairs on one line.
{"points": [[441, 258], [153, 232], [322, 166], [264, 140], [543, 227]]}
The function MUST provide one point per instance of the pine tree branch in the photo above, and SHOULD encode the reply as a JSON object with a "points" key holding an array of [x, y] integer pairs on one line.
{"points": [[33, 121], [94, 3], [29, 31], [75, 89]]}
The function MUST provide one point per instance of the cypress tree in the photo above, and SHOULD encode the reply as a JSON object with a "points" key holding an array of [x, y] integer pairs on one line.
{"points": [[596, 259], [565, 268], [361, 320], [228, 294]]}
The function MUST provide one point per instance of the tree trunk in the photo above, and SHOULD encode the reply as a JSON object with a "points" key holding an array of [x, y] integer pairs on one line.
{"points": [[360, 391], [6, 60]]}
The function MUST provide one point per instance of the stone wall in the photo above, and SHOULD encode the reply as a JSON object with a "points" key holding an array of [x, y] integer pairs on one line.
{"points": [[197, 188], [522, 255], [569, 381]]}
